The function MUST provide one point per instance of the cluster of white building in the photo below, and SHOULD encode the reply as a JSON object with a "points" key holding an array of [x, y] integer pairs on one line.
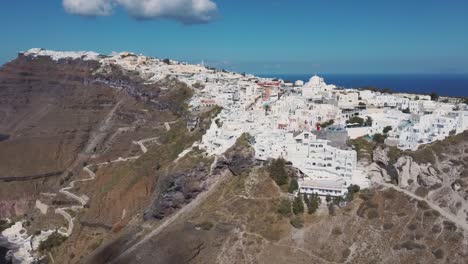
{"points": [[284, 118]]}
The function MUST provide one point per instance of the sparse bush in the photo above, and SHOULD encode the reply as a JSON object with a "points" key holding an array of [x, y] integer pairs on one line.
{"points": [[206, 225], [387, 226], [411, 245], [423, 205], [412, 226], [450, 226], [336, 231], [352, 189], [421, 192], [438, 254], [345, 254], [297, 222], [436, 229]]}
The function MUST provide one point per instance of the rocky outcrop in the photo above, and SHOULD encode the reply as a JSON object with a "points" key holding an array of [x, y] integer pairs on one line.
{"points": [[177, 189], [436, 172], [380, 156], [412, 173]]}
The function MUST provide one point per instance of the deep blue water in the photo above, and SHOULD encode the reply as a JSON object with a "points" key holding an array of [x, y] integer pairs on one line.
{"points": [[442, 84]]}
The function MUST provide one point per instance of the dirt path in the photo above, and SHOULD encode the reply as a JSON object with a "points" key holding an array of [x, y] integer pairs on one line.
{"points": [[179, 214], [82, 199], [460, 222]]}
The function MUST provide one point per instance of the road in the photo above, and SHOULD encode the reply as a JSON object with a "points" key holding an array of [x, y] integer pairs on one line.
{"points": [[82, 199]]}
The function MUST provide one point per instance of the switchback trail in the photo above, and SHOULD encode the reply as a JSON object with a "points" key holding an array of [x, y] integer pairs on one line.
{"points": [[83, 199]]}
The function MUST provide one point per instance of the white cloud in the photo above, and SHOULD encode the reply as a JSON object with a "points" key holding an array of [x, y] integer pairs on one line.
{"points": [[88, 7], [185, 11]]}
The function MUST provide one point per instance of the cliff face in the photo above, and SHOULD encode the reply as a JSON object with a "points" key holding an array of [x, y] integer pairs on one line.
{"points": [[58, 116]]}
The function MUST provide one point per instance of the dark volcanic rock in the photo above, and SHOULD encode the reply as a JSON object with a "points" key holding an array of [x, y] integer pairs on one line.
{"points": [[176, 190]]}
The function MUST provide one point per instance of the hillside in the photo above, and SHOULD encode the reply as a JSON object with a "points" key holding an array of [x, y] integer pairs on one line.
{"points": [[102, 161]]}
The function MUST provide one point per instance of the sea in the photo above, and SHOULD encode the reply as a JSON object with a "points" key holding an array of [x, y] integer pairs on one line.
{"points": [[443, 84]]}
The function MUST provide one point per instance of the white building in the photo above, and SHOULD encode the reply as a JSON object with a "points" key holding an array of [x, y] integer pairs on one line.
{"points": [[314, 158]]}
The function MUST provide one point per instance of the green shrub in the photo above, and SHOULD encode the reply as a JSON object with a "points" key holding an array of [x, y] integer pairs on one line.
{"points": [[293, 186], [206, 225], [284, 207], [5, 224], [298, 205], [387, 226], [54, 240], [387, 129], [278, 171], [297, 222], [438, 254], [421, 192], [312, 203]]}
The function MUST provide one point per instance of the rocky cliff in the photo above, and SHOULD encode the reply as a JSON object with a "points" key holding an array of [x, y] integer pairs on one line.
{"points": [[437, 172]]}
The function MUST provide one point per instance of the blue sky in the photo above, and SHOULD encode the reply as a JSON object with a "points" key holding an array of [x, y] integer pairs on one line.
{"points": [[261, 36]]}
